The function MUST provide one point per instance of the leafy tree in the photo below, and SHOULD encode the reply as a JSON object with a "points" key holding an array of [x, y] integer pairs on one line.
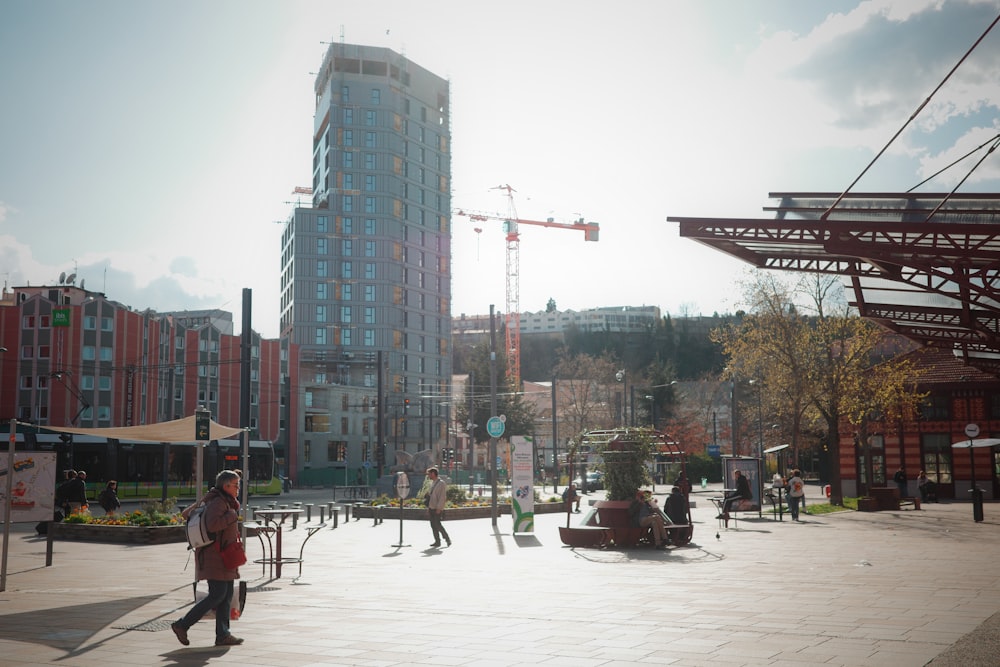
{"points": [[832, 361], [626, 459], [520, 415], [586, 384]]}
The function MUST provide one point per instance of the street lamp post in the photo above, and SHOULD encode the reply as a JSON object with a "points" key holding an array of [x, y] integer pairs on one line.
{"points": [[622, 376], [760, 419]]}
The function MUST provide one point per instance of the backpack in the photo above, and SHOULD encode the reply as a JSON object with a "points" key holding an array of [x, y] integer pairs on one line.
{"points": [[197, 532]]}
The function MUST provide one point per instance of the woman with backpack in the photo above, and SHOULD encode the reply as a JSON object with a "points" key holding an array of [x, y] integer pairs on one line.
{"points": [[221, 517]]}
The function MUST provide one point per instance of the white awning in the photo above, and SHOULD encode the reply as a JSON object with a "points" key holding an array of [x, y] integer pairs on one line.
{"points": [[178, 430]]}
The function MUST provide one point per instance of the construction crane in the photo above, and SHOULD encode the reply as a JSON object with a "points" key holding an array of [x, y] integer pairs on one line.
{"points": [[511, 223]]}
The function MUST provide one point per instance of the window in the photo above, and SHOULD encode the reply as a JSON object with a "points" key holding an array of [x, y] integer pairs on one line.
{"points": [[321, 335], [369, 293], [43, 351], [370, 182], [370, 205], [28, 322], [307, 445], [369, 338], [345, 314], [322, 269], [106, 324], [321, 246], [321, 313], [370, 248], [348, 181], [348, 225], [937, 456], [376, 96], [345, 337], [346, 270], [371, 117], [346, 293], [89, 322], [347, 247], [88, 353], [347, 159], [28, 381], [370, 161], [370, 140], [348, 116], [369, 270], [320, 290], [370, 226], [369, 315], [309, 399], [103, 413], [104, 383], [347, 203], [322, 223], [345, 96], [348, 138], [935, 408]]}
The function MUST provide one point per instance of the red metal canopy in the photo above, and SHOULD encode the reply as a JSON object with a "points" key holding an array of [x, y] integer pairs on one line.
{"points": [[925, 265]]}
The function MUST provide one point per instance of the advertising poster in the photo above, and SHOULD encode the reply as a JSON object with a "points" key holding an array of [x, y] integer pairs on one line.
{"points": [[33, 489], [522, 481]]}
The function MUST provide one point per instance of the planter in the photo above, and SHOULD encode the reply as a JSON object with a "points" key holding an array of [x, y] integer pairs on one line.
{"points": [[867, 505], [117, 534], [450, 514]]}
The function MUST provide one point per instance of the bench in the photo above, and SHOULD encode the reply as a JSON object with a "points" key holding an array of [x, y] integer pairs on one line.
{"points": [[913, 502], [609, 524]]}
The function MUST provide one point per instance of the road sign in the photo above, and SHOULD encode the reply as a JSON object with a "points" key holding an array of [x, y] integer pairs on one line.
{"points": [[402, 485], [972, 430], [495, 427], [367, 464]]}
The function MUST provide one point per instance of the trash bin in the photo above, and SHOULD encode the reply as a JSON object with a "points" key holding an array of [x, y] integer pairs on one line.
{"points": [[826, 490], [704, 482]]}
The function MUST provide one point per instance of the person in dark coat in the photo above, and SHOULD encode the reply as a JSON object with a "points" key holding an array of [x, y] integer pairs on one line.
{"points": [[741, 492], [109, 498], [222, 520]]}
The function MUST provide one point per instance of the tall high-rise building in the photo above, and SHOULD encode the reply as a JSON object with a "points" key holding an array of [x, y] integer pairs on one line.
{"points": [[366, 270]]}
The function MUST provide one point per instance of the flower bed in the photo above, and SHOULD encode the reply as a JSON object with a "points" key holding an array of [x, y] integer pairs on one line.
{"points": [[95, 532]]}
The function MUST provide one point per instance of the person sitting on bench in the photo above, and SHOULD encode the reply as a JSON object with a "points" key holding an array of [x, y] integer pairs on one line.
{"points": [[571, 496], [741, 492], [645, 514]]}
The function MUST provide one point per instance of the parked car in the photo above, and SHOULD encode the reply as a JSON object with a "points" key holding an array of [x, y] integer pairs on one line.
{"points": [[595, 481]]}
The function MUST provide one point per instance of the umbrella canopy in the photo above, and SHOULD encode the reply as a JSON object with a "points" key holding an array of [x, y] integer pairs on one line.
{"points": [[178, 430]]}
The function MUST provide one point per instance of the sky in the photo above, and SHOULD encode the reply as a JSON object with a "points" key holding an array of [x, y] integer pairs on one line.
{"points": [[151, 148]]}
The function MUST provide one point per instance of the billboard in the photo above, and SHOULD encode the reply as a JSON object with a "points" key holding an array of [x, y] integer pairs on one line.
{"points": [[32, 489]]}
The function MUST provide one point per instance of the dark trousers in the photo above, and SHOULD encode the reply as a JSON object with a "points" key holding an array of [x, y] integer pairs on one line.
{"points": [[437, 528], [793, 505], [219, 595]]}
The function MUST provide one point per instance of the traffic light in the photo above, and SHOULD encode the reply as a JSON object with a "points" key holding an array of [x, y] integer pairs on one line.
{"points": [[406, 406]]}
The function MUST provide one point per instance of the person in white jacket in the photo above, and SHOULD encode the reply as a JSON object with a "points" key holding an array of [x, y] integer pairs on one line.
{"points": [[436, 498], [796, 492]]}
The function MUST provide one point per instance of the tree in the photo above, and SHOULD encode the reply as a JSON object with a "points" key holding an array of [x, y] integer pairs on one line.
{"points": [[550, 307], [586, 382], [519, 414], [832, 361]]}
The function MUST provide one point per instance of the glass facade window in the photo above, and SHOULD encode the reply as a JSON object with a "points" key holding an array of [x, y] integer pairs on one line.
{"points": [[370, 161], [376, 96], [937, 456], [370, 248], [348, 181], [369, 338], [348, 138], [371, 117], [321, 335], [348, 116], [89, 322], [370, 205], [369, 270], [345, 337], [88, 353], [322, 224], [321, 290], [347, 159], [321, 313], [321, 246], [347, 203], [348, 225], [345, 314], [322, 269], [347, 247], [370, 226], [370, 293], [370, 182], [369, 315], [347, 270]]}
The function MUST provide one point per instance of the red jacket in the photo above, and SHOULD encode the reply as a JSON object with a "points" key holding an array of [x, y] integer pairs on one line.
{"points": [[222, 518]]}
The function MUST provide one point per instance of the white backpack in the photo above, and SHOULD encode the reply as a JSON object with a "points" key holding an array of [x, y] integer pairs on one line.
{"points": [[197, 532]]}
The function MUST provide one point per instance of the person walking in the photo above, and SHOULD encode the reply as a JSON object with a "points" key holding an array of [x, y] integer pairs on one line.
{"points": [[900, 479], [796, 491], [109, 498], [222, 519], [436, 498], [74, 491]]}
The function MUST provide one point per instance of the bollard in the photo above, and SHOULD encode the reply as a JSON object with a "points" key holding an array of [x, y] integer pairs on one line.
{"points": [[309, 512], [295, 521], [322, 513], [335, 514]]}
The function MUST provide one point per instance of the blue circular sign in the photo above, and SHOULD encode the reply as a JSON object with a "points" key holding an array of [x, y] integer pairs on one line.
{"points": [[495, 427]]}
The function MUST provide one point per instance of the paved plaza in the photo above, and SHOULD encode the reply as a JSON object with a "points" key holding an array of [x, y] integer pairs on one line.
{"points": [[904, 588]]}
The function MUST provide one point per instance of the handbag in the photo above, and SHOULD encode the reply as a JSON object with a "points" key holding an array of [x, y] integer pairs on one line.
{"points": [[233, 555]]}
